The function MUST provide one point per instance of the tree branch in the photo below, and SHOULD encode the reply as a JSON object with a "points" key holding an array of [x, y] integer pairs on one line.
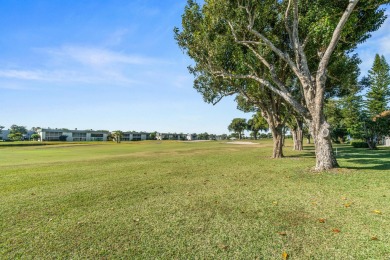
{"points": [[286, 96], [320, 77]]}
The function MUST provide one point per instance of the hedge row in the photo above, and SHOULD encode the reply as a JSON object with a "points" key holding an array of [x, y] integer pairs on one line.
{"points": [[359, 144]]}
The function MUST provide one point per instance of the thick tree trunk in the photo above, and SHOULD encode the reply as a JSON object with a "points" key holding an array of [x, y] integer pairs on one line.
{"points": [[277, 136], [325, 158], [297, 136]]}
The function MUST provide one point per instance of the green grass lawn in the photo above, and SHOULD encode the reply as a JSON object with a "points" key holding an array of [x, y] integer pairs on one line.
{"points": [[181, 200]]}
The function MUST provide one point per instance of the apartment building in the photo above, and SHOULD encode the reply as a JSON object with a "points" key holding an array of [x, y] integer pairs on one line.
{"points": [[170, 136], [72, 135], [135, 136]]}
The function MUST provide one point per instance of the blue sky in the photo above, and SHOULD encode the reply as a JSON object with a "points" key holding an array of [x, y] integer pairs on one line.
{"points": [[109, 65]]}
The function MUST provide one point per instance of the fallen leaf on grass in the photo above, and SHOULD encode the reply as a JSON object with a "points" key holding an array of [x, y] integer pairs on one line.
{"points": [[377, 212], [335, 230], [321, 220], [347, 205], [284, 256], [223, 246]]}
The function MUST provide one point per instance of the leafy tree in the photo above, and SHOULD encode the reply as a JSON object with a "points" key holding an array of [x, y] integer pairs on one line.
{"points": [[366, 118], [272, 109], [15, 136], [257, 123], [153, 135], [18, 129], [224, 136], [1, 129], [35, 137], [280, 45], [296, 125], [238, 125], [334, 116], [376, 103], [203, 136], [16, 132], [117, 135]]}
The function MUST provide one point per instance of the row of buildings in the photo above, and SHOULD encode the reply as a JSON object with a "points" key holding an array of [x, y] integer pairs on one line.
{"points": [[49, 134]]}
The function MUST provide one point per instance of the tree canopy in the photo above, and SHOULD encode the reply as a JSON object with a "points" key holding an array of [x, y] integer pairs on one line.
{"points": [[288, 47], [378, 83], [238, 125]]}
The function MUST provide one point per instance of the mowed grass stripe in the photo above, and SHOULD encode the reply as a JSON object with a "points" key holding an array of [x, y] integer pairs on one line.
{"points": [[188, 200]]}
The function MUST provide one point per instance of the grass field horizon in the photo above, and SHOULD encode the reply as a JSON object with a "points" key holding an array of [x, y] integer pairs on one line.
{"points": [[186, 200]]}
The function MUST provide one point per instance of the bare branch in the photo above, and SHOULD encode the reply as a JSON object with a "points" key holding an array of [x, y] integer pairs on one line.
{"points": [[332, 45], [270, 67], [286, 96], [284, 56], [222, 96], [286, 20], [305, 42], [298, 49], [295, 40]]}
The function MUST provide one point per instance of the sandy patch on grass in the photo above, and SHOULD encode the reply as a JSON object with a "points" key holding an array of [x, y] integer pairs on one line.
{"points": [[248, 143], [196, 141]]}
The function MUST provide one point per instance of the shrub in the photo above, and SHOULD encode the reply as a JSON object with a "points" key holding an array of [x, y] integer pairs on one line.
{"points": [[359, 144]]}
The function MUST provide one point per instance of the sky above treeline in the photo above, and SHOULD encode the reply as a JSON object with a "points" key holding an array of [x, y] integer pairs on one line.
{"points": [[110, 65]]}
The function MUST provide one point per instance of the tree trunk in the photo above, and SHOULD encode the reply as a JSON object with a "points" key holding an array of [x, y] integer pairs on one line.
{"points": [[371, 143], [297, 136], [325, 158], [277, 136]]}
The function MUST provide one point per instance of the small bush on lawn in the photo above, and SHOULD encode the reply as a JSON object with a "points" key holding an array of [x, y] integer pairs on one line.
{"points": [[359, 144]]}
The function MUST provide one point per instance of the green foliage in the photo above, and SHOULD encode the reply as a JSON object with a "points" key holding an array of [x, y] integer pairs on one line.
{"points": [[334, 116], [378, 81], [18, 129], [15, 136], [257, 123], [203, 136], [117, 135], [153, 135], [359, 144], [238, 125], [36, 137]]}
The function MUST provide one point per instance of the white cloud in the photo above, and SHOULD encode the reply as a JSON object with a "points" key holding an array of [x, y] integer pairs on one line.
{"points": [[378, 43], [95, 57], [67, 77], [116, 38], [21, 74], [88, 65]]}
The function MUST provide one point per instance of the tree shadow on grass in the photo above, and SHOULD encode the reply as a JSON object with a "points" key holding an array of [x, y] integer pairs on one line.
{"points": [[363, 158]]}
